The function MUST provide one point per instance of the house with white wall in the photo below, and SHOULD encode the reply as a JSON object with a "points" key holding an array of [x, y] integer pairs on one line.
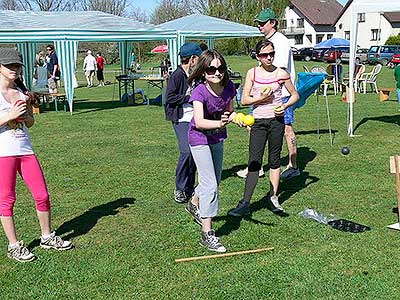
{"points": [[308, 22], [373, 28]]}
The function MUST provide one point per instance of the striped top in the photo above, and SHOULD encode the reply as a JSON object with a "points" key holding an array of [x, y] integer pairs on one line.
{"points": [[265, 110]]}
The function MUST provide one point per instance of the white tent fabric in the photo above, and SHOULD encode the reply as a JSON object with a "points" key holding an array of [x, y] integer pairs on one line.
{"points": [[65, 29], [28, 52], [363, 6], [198, 26]]}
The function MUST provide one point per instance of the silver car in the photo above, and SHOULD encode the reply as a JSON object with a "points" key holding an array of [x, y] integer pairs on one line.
{"points": [[361, 56]]}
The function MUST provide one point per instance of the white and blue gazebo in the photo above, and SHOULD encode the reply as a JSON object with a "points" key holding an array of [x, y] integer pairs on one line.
{"points": [[202, 27], [65, 30]]}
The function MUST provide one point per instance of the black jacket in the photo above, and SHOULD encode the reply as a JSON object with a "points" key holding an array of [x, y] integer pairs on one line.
{"points": [[176, 95]]}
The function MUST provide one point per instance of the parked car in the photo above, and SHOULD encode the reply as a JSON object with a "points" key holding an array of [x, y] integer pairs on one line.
{"points": [[318, 54], [333, 56], [382, 54], [303, 54], [395, 61], [361, 55]]}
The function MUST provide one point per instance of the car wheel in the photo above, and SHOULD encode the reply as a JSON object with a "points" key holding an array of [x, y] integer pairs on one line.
{"points": [[307, 58], [384, 62]]}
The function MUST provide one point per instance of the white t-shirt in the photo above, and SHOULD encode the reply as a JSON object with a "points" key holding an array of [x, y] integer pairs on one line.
{"points": [[283, 57], [13, 141], [89, 64]]}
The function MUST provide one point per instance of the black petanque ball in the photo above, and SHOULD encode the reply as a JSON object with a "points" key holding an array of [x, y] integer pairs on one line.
{"points": [[345, 150]]}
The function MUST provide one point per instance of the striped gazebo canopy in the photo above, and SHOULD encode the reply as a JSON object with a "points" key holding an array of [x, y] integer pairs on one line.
{"points": [[202, 27], [66, 29]]}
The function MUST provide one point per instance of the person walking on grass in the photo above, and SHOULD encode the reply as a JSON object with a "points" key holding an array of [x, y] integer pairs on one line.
{"points": [[212, 110], [268, 25], [17, 156], [100, 68], [179, 111], [264, 90], [89, 67]]}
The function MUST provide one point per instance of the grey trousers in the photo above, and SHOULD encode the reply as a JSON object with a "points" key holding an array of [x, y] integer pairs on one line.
{"points": [[208, 159]]}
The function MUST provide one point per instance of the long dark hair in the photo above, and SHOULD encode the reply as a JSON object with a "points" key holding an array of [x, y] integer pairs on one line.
{"points": [[204, 62]]}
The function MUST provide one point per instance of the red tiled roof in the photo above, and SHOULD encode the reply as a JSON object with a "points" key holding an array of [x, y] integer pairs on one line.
{"points": [[319, 12]]}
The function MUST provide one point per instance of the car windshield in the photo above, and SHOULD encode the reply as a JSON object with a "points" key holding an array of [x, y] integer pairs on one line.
{"points": [[373, 49]]}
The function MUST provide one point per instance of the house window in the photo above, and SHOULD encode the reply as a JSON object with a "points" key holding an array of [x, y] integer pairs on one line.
{"points": [[329, 36], [347, 35], [319, 38], [300, 23], [284, 23], [298, 39], [361, 17], [375, 34], [309, 37]]}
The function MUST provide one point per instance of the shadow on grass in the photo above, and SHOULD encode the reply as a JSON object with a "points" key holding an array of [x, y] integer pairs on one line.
{"points": [[82, 224], [286, 190], [387, 119], [321, 131]]}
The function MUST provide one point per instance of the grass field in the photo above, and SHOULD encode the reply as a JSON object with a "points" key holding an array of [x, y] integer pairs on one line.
{"points": [[110, 172]]}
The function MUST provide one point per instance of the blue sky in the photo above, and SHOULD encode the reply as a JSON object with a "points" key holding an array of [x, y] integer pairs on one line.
{"points": [[149, 5]]}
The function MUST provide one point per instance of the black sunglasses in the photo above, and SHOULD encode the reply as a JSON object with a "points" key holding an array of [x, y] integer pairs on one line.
{"points": [[262, 24], [211, 70], [266, 55]]}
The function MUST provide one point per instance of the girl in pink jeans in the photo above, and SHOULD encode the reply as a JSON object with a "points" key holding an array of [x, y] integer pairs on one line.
{"points": [[16, 155]]}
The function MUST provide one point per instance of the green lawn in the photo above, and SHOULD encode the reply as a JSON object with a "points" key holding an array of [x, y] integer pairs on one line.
{"points": [[110, 172]]}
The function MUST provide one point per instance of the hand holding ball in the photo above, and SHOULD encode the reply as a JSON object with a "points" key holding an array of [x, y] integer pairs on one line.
{"points": [[238, 117]]}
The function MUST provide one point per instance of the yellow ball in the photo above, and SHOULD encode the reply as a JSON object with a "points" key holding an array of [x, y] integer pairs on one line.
{"points": [[239, 117], [248, 120], [266, 90]]}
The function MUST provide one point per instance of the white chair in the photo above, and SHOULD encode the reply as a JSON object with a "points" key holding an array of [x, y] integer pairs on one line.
{"points": [[370, 78]]}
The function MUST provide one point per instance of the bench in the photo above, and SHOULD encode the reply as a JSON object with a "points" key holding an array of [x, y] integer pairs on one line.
{"points": [[56, 97], [384, 93]]}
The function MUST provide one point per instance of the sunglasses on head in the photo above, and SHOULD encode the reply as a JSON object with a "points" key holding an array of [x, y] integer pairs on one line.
{"points": [[266, 55], [211, 70]]}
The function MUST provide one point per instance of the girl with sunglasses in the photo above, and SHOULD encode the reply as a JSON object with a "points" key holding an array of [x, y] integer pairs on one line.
{"points": [[17, 156], [212, 110], [263, 90]]}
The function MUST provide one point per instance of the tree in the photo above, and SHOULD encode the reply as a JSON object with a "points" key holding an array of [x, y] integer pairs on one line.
{"points": [[115, 7], [169, 10]]}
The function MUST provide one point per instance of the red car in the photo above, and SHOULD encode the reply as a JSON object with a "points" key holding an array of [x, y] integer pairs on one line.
{"points": [[333, 56], [395, 61]]}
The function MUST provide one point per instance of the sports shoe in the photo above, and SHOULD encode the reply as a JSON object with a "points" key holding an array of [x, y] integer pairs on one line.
{"points": [[209, 240], [242, 209], [180, 196], [20, 253], [55, 242], [290, 172], [275, 202], [194, 211], [243, 173]]}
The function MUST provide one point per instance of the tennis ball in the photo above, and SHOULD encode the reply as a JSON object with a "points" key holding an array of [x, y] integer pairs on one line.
{"points": [[278, 108], [248, 120], [239, 117]]}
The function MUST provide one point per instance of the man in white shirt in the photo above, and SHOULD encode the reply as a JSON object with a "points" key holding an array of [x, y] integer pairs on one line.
{"points": [[268, 24], [89, 67]]}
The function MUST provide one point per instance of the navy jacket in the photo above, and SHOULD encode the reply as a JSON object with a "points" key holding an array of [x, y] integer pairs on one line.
{"points": [[176, 95]]}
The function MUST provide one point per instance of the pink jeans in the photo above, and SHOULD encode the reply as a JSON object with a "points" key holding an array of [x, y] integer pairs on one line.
{"points": [[29, 168]]}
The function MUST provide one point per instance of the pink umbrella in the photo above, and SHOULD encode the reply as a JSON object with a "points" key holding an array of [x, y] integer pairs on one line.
{"points": [[160, 49]]}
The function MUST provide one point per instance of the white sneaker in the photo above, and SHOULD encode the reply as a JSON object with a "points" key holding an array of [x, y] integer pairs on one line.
{"points": [[20, 253], [55, 242], [276, 204], [243, 173]]}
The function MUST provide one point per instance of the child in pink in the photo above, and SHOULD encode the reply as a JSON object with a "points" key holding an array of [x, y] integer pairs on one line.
{"points": [[17, 156]]}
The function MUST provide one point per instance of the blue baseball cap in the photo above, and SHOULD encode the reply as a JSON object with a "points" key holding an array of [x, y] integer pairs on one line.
{"points": [[190, 49]]}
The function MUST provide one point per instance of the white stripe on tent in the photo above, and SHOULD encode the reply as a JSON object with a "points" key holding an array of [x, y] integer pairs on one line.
{"points": [[28, 52], [125, 50], [67, 52]]}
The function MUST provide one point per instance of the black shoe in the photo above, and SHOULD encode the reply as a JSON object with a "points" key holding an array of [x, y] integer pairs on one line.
{"points": [[180, 196], [241, 210]]}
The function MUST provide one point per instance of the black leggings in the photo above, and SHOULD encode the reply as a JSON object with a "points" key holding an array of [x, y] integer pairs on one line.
{"points": [[263, 130]]}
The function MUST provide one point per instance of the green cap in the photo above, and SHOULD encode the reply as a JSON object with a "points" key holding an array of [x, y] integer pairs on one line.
{"points": [[266, 15]]}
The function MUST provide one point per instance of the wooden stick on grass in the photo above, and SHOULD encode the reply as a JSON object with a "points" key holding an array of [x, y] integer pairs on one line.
{"points": [[223, 255]]}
